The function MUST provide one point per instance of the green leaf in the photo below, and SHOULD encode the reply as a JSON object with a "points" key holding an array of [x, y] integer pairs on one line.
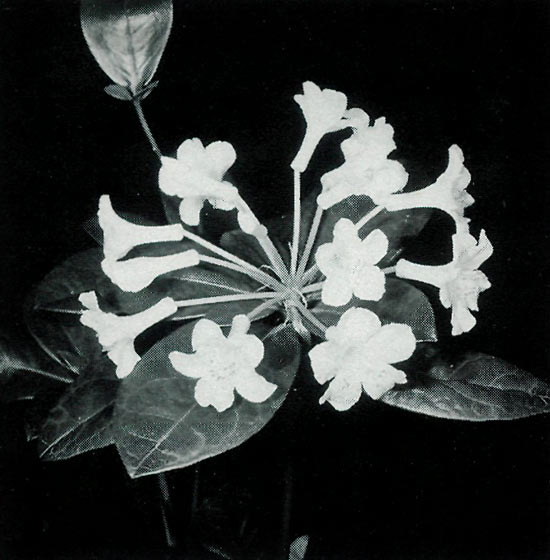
{"points": [[402, 303], [118, 92], [158, 424], [25, 370], [53, 312], [59, 290], [127, 38], [298, 548], [474, 387], [82, 418]]}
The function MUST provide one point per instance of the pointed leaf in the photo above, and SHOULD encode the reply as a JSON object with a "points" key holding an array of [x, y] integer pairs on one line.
{"points": [[118, 92], [127, 38], [401, 303], [158, 424], [475, 387], [298, 548], [25, 369], [81, 419]]}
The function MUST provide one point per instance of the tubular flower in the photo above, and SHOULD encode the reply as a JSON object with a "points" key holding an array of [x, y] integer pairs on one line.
{"points": [[196, 176], [459, 282], [357, 356], [349, 264], [367, 169], [136, 274], [224, 365], [117, 334], [448, 193], [121, 236], [323, 111]]}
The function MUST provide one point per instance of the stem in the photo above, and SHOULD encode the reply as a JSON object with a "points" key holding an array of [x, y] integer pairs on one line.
{"points": [[389, 270], [224, 299], [262, 277], [296, 229], [266, 305], [309, 274], [165, 509], [310, 241], [146, 129], [368, 216], [313, 287], [266, 244], [307, 314], [232, 258]]}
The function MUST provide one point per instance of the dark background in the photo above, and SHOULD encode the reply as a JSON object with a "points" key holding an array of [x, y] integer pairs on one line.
{"points": [[375, 482]]}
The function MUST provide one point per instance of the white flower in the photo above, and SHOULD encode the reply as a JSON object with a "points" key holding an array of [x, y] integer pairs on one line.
{"points": [[367, 170], [121, 236], [323, 111], [196, 175], [448, 193], [117, 334], [136, 274], [357, 355], [349, 265], [223, 365], [459, 282]]}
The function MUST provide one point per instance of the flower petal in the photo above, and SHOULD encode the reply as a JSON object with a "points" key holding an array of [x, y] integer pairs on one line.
{"points": [[336, 291], [205, 334], [221, 156], [253, 387], [322, 361], [369, 283], [462, 320], [392, 343], [124, 356], [218, 393], [189, 365], [342, 393], [375, 246], [357, 325], [377, 382]]}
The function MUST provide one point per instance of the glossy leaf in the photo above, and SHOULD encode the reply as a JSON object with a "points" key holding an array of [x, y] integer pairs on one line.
{"points": [[81, 419], [127, 38], [401, 303], [158, 424], [53, 312], [25, 369], [474, 387]]}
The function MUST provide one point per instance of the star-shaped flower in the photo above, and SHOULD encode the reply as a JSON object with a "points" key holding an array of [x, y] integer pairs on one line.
{"points": [[117, 334], [358, 355], [349, 264], [367, 170], [448, 193], [196, 175], [121, 236], [323, 111], [459, 282], [224, 365]]}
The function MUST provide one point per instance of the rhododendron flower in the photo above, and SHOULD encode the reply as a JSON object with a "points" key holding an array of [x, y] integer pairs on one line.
{"points": [[448, 193], [349, 265], [136, 274], [459, 282], [367, 169], [323, 111], [121, 236], [224, 365], [358, 355], [117, 334]]}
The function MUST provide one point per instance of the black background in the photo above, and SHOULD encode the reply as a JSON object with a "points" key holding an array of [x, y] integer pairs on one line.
{"points": [[371, 483]]}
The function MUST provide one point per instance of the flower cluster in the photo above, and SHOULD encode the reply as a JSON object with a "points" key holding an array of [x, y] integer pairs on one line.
{"points": [[345, 272]]}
